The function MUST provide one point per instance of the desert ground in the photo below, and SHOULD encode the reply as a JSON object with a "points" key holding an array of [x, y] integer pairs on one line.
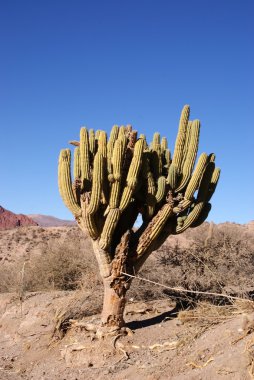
{"points": [[50, 293]]}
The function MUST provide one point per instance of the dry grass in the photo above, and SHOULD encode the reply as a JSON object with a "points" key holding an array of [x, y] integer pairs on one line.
{"points": [[206, 315]]}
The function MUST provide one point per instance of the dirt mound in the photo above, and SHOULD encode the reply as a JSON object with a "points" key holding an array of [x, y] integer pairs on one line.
{"points": [[10, 220]]}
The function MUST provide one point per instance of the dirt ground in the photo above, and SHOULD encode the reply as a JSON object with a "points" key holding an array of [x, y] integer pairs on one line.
{"points": [[214, 343], [44, 334]]}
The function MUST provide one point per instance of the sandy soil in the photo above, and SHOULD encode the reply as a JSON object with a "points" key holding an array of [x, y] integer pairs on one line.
{"points": [[164, 341], [161, 344]]}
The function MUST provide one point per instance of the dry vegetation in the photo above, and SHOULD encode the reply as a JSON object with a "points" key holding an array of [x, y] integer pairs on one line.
{"points": [[46, 259], [198, 335]]}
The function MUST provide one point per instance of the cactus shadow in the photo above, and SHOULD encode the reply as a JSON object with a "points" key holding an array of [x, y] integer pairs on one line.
{"points": [[167, 315]]}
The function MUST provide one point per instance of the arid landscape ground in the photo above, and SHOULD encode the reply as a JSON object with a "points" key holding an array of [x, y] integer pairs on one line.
{"points": [[50, 291]]}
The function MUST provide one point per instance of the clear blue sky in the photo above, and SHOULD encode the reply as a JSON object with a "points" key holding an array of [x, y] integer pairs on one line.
{"points": [[97, 63]]}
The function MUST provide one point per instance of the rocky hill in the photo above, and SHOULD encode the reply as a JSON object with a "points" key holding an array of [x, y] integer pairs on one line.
{"points": [[10, 220]]}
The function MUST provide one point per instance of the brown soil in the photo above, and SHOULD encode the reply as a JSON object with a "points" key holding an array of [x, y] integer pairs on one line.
{"points": [[162, 344], [174, 336]]}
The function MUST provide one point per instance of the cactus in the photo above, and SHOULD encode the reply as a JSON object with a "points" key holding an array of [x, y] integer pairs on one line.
{"points": [[76, 164], [118, 179], [117, 163], [161, 189], [133, 173], [92, 144], [96, 184], [164, 144], [64, 182], [84, 159]]}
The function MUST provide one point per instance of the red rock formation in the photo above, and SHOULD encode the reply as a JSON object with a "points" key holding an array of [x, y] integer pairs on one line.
{"points": [[10, 220]]}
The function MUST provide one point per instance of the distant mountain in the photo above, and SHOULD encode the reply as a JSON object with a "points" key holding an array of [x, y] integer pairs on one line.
{"points": [[50, 221], [10, 220]]}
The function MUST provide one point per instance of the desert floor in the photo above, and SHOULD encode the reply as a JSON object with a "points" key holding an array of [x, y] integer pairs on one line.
{"points": [[46, 310]]}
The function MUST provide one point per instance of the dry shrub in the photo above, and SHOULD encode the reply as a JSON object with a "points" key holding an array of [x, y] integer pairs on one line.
{"points": [[225, 265], [60, 265]]}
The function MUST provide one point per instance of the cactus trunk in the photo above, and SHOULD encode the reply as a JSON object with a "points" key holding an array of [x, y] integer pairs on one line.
{"points": [[113, 304]]}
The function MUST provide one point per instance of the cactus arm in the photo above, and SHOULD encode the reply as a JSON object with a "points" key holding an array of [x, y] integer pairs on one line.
{"points": [[150, 197], [167, 158], [156, 156], [65, 183], [156, 141], [202, 208], [148, 189], [155, 226], [161, 189], [196, 177], [191, 218], [110, 147], [180, 139], [191, 155], [186, 144], [89, 220], [212, 157], [114, 134], [121, 133], [109, 227], [202, 216], [76, 163], [117, 163], [173, 176], [132, 177], [142, 136], [213, 183], [102, 144], [205, 182], [96, 184], [84, 159], [164, 144], [92, 145], [97, 135]]}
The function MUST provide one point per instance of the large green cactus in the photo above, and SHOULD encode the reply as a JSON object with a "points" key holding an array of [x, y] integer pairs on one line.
{"points": [[118, 179]]}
